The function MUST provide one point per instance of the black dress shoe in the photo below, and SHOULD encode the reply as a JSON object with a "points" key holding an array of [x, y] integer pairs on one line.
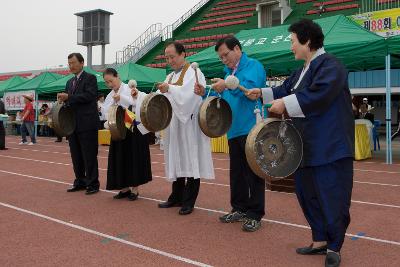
{"points": [[185, 210], [76, 188], [332, 259], [312, 251], [91, 191], [122, 194], [132, 196], [168, 204]]}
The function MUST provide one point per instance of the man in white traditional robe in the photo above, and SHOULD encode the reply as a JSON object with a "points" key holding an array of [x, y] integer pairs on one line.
{"points": [[187, 151]]}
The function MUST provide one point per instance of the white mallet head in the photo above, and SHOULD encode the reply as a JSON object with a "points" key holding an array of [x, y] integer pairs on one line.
{"points": [[132, 84], [232, 82], [194, 65]]}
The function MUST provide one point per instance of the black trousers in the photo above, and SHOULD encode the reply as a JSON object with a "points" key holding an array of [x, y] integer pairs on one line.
{"points": [[247, 189], [185, 191], [84, 149], [2, 136]]}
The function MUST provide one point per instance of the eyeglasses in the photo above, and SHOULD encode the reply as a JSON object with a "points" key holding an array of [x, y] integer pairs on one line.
{"points": [[224, 56]]}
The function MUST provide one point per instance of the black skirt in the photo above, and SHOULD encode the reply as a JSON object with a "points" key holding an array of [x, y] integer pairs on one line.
{"points": [[129, 161]]}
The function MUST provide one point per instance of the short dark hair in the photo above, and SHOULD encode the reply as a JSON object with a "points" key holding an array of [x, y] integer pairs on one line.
{"points": [[307, 30], [78, 56], [230, 41], [110, 71], [180, 48]]}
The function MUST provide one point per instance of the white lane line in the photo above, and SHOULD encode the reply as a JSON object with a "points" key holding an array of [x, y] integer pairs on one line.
{"points": [[226, 185], [376, 171], [221, 169], [376, 204], [155, 162], [67, 153], [46, 151], [67, 164], [217, 211], [371, 162], [163, 163], [356, 169], [91, 231], [36, 160], [209, 183], [371, 183]]}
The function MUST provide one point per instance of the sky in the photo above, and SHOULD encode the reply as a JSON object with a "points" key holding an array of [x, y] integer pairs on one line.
{"points": [[40, 34]]}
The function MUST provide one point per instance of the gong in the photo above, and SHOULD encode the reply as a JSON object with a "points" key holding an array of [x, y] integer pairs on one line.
{"points": [[116, 122], [274, 149], [63, 119], [215, 117], [155, 112]]}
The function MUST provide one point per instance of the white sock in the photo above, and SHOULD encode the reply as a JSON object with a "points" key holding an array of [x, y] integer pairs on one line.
{"points": [[333, 251]]}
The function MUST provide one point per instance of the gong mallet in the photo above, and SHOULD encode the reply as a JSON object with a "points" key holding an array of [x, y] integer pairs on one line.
{"points": [[195, 66], [232, 82], [132, 84]]}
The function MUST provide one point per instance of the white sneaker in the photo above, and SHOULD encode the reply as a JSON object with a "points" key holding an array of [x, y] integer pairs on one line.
{"points": [[30, 144], [23, 143]]}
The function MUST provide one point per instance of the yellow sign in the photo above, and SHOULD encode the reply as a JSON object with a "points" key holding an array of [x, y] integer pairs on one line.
{"points": [[384, 22]]}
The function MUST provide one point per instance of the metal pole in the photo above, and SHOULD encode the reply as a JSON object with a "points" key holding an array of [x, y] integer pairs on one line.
{"points": [[89, 56], [103, 55], [388, 114]]}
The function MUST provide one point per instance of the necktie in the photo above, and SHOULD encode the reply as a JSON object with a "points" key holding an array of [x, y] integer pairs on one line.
{"points": [[74, 83]]}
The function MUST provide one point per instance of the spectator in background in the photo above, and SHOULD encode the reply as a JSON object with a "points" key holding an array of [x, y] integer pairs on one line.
{"points": [[100, 108], [369, 107], [2, 130], [43, 118], [365, 114], [28, 120]]}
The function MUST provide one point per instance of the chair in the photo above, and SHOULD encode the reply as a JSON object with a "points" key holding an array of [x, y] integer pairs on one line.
{"points": [[375, 134]]}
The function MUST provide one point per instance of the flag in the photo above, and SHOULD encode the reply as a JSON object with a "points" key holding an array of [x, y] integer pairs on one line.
{"points": [[129, 118]]}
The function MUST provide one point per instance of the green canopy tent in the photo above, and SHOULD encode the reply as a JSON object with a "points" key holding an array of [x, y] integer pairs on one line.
{"points": [[59, 85], [394, 50], [37, 82], [394, 45], [12, 82], [34, 84], [356, 47], [145, 76]]}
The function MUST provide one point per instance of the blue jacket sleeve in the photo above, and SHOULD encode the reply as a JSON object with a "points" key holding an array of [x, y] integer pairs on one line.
{"points": [[284, 89]]}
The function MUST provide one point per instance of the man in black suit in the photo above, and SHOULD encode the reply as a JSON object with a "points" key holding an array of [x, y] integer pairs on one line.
{"points": [[81, 94], [2, 130]]}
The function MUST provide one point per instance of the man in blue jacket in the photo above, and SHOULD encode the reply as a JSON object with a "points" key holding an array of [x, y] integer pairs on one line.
{"points": [[318, 100], [247, 189]]}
